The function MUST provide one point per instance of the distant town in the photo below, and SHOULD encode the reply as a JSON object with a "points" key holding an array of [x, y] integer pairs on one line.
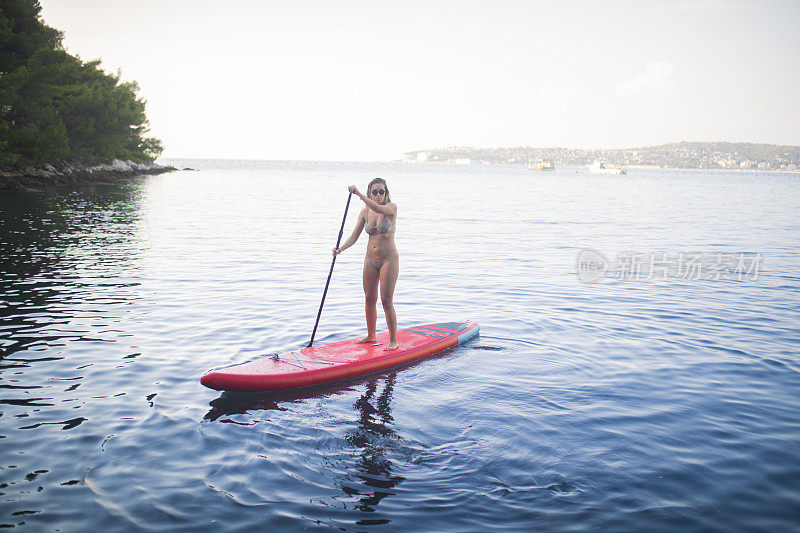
{"points": [[684, 155]]}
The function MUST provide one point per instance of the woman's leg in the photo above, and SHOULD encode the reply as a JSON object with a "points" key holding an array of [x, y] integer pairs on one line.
{"points": [[388, 275], [370, 278]]}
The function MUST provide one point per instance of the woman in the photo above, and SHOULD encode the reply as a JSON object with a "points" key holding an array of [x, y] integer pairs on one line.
{"points": [[382, 264]]}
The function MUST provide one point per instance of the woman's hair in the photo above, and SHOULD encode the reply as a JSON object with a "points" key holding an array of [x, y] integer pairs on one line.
{"points": [[386, 197]]}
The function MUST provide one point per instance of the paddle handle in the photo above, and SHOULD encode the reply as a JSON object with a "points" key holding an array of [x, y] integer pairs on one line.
{"points": [[325, 292]]}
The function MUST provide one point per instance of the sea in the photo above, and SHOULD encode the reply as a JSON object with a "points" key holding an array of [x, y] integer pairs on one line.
{"points": [[637, 369]]}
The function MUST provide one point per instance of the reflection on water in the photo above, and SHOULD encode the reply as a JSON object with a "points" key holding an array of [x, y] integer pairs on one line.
{"points": [[367, 480], [68, 281], [374, 470], [234, 403], [66, 258]]}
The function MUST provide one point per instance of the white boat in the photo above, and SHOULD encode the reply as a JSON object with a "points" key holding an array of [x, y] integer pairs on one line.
{"points": [[599, 168], [540, 164]]}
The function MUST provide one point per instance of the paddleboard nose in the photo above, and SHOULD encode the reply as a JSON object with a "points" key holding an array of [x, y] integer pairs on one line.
{"points": [[211, 380]]}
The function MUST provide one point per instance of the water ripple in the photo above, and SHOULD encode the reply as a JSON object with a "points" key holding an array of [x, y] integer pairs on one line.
{"points": [[620, 405]]}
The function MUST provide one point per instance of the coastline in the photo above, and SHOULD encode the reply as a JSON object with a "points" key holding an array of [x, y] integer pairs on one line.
{"points": [[64, 173], [721, 169]]}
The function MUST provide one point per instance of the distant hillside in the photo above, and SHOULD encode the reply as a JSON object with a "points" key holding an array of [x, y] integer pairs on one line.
{"points": [[678, 155]]}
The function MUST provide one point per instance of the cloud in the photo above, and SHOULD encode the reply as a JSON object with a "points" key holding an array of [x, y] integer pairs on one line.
{"points": [[658, 77]]}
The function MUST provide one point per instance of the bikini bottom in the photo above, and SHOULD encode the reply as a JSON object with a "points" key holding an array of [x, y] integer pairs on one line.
{"points": [[378, 263]]}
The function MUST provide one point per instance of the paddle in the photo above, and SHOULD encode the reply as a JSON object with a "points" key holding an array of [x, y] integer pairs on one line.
{"points": [[325, 292]]}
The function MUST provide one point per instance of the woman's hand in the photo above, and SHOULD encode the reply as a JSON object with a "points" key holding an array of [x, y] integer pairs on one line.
{"points": [[336, 251], [354, 190]]}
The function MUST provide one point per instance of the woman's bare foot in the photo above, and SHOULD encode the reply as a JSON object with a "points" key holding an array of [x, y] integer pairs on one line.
{"points": [[365, 340], [391, 346]]}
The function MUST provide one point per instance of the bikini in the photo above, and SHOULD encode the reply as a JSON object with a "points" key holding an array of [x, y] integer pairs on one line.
{"points": [[382, 227]]}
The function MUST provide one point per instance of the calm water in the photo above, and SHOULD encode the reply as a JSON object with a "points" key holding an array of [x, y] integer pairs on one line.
{"points": [[623, 405]]}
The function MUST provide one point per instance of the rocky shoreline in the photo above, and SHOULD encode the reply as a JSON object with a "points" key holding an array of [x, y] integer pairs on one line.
{"points": [[71, 173]]}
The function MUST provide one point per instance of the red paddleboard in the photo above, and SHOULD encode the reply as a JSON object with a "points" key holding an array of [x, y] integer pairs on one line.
{"points": [[338, 360]]}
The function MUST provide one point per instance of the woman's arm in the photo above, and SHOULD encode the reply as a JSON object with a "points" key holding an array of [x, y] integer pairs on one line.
{"points": [[351, 240], [388, 209]]}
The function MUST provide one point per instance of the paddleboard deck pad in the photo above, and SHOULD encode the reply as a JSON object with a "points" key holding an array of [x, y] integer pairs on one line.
{"points": [[339, 360]]}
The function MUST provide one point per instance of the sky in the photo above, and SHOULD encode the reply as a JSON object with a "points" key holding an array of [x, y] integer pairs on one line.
{"points": [[370, 80]]}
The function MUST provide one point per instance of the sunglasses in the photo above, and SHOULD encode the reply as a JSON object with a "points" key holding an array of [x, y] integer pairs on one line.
{"points": [[378, 191]]}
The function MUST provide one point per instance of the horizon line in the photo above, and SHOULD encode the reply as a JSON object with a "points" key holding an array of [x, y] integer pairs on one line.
{"points": [[399, 157]]}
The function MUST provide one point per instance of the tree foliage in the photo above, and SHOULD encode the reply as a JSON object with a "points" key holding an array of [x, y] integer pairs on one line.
{"points": [[53, 106]]}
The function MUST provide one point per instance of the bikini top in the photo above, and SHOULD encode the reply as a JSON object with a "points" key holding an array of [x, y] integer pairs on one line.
{"points": [[383, 227]]}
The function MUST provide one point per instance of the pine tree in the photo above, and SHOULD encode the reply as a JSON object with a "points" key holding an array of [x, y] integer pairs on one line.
{"points": [[53, 106]]}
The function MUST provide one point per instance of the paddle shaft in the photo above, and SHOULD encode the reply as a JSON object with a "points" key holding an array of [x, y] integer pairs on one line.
{"points": [[325, 292]]}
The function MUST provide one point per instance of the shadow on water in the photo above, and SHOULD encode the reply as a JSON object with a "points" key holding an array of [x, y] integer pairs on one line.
{"points": [[371, 478], [374, 469], [239, 403]]}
